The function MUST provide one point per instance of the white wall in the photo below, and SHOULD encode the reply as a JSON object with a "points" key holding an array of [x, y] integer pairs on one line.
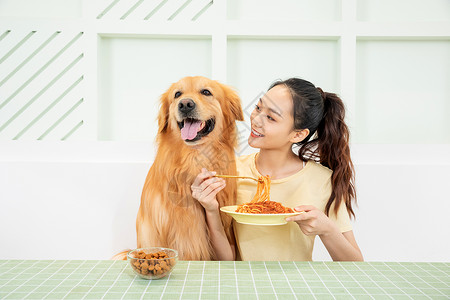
{"points": [[79, 83], [79, 201]]}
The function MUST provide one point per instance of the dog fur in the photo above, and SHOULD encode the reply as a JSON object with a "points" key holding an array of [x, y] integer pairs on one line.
{"points": [[168, 214]]}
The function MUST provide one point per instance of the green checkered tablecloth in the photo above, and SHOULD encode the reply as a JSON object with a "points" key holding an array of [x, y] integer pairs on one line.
{"points": [[107, 279]]}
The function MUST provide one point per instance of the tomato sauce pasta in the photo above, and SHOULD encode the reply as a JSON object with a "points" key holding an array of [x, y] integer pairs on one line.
{"points": [[261, 203]]}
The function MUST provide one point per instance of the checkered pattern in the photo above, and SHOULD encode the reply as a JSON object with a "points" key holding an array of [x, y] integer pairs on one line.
{"points": [[106, 279]]}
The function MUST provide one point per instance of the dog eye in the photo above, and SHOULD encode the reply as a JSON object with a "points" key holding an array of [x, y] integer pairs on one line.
{"points": [[206, 92], [177, 94]]}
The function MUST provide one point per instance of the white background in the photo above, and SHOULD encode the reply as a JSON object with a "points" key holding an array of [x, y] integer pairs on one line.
{"points": [[77, 122]]}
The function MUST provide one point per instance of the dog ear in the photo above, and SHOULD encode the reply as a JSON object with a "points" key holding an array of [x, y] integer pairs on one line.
{"points": [[163, 115], [234, 102]]}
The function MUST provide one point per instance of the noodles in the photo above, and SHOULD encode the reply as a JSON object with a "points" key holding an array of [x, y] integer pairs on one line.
{"points": [[262, 189], [263, 207], [261, 203]]}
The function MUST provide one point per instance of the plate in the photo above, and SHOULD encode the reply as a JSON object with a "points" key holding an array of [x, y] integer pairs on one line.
{"points": [[257, 219]]}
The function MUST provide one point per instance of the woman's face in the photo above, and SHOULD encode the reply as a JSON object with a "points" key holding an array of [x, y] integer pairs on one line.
{"points": [[271, 120]]}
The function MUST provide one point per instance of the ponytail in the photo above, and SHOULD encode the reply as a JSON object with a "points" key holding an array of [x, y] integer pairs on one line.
{"points": [[328, 140], [334, 152]]}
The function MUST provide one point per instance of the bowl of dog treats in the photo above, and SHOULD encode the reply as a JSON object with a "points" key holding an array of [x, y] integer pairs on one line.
{"points": [[152, 263]]}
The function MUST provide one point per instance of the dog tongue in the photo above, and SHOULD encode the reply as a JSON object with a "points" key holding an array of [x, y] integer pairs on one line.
{"points": [[190, 129]]}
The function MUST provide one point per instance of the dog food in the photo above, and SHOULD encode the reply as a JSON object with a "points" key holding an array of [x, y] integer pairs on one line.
{"points": [[157, 263]]}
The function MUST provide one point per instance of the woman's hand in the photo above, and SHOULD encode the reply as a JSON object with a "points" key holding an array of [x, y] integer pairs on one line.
{"points": [[341, 246], [205, 189], [313, 221]]}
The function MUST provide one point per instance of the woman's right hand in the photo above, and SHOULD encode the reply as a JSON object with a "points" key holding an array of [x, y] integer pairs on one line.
{"points": [[205, 189]]}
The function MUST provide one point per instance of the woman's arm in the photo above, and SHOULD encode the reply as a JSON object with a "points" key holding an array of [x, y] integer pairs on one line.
{"points": [[205, 189], [340, 246], [223, 249]]}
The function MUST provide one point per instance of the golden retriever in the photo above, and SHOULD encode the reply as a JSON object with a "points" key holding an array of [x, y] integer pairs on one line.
{"points": [[196, 129]]}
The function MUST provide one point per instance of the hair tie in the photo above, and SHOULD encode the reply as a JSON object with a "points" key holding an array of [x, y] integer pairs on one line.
{"points": [[322, 93]]}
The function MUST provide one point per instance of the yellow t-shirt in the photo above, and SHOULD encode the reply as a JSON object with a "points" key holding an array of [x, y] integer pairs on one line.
{"points": [[309, 186]]}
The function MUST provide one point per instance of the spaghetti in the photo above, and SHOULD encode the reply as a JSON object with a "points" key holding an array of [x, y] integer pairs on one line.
{"points": [[263, 207], [261, 203]]}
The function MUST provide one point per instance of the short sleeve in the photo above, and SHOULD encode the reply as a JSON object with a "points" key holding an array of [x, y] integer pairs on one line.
{"points": [[342, 219]]}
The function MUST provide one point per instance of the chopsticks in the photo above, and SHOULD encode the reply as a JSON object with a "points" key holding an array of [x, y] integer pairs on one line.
{"points": [[234, 176]]}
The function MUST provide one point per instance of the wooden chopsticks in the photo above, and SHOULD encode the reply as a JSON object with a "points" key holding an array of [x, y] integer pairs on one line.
{"points": [[234, 176]]}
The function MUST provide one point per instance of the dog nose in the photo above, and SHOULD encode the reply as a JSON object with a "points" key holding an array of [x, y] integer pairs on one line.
{"points": [[186, 105]]}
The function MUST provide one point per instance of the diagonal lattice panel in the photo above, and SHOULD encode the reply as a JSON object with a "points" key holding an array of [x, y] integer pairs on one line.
{"points": [[41, 81], [154, 10], [57, 106], [197, 10]]}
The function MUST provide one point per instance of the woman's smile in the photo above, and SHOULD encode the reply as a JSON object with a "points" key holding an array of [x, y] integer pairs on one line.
{"points": [[256, 134]]}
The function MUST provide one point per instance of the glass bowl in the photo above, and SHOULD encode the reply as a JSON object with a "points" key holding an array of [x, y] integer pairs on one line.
{"points": [[152, 263]]}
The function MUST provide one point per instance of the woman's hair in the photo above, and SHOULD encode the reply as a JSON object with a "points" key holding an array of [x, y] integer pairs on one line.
{"points": [[328, 140]]}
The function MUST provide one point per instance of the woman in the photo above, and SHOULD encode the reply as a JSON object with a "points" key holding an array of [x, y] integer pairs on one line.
{"points": [[292, 112]]}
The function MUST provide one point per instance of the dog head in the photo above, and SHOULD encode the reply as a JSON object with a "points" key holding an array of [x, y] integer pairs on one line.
{"points": [[196, 109]]}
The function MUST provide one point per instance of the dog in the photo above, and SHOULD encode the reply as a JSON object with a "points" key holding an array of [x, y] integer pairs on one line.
{"points": [[196, 129]]}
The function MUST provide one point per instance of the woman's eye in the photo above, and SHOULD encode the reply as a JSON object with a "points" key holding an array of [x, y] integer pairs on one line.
{"points": [[257, 107], [270, 118], [206, 92], [177, 94]]}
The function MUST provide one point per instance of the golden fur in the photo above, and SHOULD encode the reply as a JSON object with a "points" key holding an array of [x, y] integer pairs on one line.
{"points": [[168, 215]]}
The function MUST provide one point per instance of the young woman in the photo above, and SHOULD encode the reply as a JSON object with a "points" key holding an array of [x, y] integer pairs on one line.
{"points": [[319, 180]]}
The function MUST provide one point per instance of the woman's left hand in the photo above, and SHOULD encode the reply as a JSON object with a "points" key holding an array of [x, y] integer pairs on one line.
{"points": [[313, 221]]}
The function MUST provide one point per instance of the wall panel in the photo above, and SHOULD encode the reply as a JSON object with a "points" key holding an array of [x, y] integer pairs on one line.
{"points": [[79, 88]]}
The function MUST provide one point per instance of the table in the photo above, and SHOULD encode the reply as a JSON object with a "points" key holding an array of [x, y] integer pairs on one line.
{"points": [[108, 279]]}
